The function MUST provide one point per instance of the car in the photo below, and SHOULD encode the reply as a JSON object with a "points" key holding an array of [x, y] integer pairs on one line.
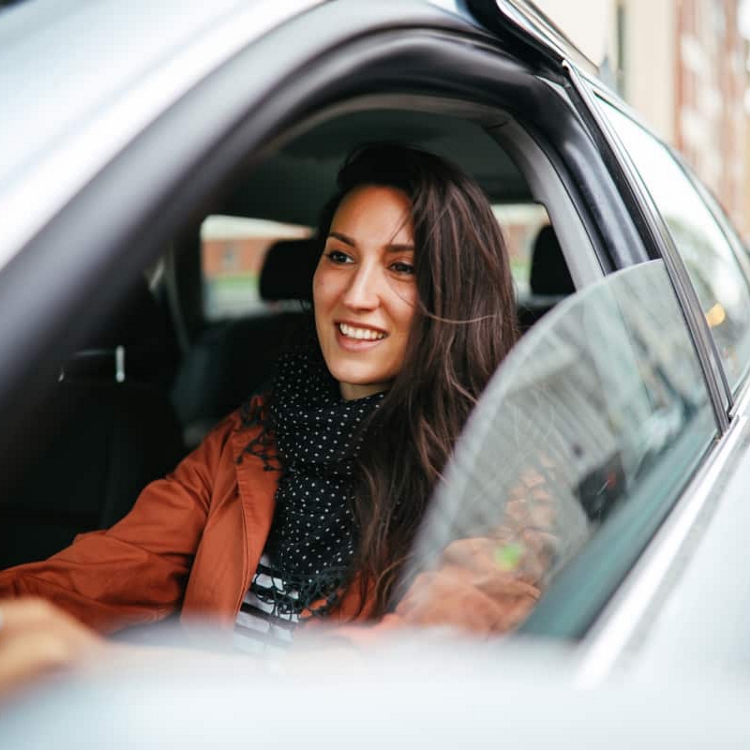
{"points": [[162, 170]]}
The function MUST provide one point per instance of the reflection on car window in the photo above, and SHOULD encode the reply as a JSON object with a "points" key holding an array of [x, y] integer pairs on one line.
{"points": [[232, 254], [714, 270], [597, 400]]}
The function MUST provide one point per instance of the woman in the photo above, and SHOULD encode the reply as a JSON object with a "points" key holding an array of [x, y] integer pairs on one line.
{"points": [[303, 505]]}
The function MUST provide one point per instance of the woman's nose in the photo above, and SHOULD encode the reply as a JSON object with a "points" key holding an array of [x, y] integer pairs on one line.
{"points": [[362, 292]]}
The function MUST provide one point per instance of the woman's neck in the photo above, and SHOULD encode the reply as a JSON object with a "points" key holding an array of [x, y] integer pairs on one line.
{"points": [[353, 391]]}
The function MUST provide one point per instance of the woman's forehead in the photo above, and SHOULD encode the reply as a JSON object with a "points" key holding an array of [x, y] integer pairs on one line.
{"points": [[375, 213]]}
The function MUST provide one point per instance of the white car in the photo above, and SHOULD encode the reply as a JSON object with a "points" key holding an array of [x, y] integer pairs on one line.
{"points": [[152, 152]]}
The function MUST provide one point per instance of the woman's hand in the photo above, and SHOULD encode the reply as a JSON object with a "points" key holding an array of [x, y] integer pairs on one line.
{"points": [[37, 638], [475, 589]]}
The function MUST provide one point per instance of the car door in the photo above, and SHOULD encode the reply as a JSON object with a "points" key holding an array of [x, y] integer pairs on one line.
{"points": [[710, 275], [705, 266]]}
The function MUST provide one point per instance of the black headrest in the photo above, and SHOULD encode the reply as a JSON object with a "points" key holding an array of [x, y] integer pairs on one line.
{"points": [[288, 270], [549, 271]]}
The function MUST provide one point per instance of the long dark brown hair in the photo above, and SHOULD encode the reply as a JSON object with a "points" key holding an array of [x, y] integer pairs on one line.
{"points": [[464, 324]]}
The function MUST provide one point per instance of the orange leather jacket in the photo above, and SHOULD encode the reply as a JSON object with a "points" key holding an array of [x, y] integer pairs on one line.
{"points": [[193, 541]]}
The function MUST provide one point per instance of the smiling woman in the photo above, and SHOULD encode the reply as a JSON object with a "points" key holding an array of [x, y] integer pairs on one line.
{"points": [[304, 503], [416, 254], [364, 290]]}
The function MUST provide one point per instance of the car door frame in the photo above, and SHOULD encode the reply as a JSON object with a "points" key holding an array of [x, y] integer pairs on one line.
{"points": [[159, 182], [617, 625], [657, 232], [544, 45], [624, 624]]}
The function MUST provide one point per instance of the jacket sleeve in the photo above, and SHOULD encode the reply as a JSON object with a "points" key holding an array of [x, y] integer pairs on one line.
{"points": [[136, 571], [487, 585]]}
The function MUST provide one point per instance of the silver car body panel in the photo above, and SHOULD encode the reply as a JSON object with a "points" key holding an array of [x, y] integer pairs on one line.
{"points": [[623, 626], [409, 693], [703, 621]]}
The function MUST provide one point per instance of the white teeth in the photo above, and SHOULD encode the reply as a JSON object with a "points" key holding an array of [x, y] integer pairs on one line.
{"points": [[360, 333]]}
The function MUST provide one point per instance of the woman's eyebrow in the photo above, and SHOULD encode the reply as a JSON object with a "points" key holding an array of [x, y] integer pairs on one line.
{"points": [[344, 238], [395, 248]]}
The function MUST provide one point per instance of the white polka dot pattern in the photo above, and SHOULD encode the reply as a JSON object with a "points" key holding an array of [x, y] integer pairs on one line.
{"points": [[318, 438]]}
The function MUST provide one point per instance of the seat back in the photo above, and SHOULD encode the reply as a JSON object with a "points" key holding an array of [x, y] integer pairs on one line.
{"points": [[107, 431], [235, 358], [549, 275]]}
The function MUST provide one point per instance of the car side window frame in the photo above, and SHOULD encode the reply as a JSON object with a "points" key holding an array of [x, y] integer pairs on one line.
{"points": [[740, 250], [656, 233], [717, 274]]}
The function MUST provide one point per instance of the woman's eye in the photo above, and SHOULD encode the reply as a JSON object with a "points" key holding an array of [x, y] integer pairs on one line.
{"points": [[403, 268], [337, 256]]}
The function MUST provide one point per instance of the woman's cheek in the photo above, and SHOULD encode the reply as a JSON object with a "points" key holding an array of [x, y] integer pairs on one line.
{"points": [[318, 290]]}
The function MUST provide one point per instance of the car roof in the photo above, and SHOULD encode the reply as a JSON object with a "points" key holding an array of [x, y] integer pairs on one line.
{"points": [[80, 94], [69, 62], [66, 61], [291, 183], [86, 75]]}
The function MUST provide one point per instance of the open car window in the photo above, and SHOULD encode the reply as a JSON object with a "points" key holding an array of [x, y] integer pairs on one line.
{"points": [[580, 444]]}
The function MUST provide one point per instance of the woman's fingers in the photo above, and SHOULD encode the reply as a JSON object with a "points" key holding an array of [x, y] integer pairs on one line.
{"points": [[27, 656], [37, 638]]}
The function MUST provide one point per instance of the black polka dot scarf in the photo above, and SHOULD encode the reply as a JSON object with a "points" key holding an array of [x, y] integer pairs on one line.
{"points": [[318, 438]]}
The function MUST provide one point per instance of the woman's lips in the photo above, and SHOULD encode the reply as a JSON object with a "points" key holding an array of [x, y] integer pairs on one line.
{"points": [[354, 331], [350, 342]]}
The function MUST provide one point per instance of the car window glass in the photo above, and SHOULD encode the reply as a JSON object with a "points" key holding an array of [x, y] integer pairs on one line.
{"points": [[521, 224], [599, 413], [232, 254], [714, 269]]}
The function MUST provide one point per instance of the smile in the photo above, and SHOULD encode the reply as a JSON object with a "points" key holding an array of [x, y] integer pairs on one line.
{"points": [[366, 334]]}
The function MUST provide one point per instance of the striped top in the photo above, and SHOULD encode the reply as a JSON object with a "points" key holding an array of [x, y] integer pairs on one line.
{"points": [[260, 629]]}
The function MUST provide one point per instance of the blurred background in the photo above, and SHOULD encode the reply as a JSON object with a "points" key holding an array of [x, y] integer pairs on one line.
{"points": [[683, 65]]}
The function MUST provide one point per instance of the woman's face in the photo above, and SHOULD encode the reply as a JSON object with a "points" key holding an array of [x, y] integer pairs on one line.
{"points": [[364, 290]]}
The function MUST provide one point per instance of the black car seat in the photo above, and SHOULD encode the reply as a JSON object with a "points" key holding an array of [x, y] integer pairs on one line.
{"points": [[107, 431], [549, 279], [235, 358]]}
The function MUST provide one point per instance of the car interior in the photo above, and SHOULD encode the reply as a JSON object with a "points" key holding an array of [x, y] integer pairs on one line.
{"points": [[200, 330]]}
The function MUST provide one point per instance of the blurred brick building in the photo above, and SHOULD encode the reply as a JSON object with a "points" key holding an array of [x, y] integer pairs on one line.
{"points": [[682, 64]]}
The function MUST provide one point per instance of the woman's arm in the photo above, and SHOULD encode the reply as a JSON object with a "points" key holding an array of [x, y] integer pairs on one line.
{"points": [[136, 571]]}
